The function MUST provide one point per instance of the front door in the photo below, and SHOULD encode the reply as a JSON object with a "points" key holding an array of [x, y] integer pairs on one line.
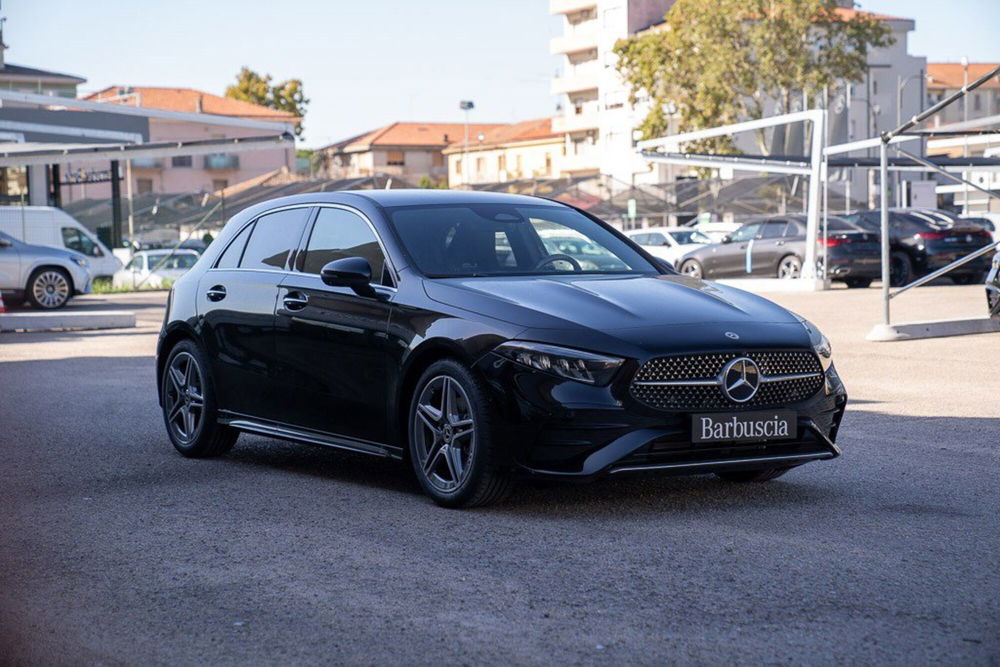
{"points": [[236, 300], [332, 370], [768, 249], [733, 259]]}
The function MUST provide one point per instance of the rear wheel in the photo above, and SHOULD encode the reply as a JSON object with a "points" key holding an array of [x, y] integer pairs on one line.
{"points": [[189, 405], [900, 269], [744, 476], [49, 288], [789, 267], [452, 449], [855, 283], [965, 279], [692, 268]]}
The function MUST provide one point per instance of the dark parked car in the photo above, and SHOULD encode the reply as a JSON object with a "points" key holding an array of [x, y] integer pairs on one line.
{"points": [[776, 246], [922, 241], [438, 327], [993, 288]]}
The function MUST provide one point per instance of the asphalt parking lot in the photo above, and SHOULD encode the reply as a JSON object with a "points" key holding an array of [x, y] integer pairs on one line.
{"points": [[115, 549]]}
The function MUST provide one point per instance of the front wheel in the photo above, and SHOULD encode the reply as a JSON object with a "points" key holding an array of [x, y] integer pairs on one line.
{"points": [[452, 449], [49, 289], [692, 268], [858, 283], [900, 269], [189, 405]]}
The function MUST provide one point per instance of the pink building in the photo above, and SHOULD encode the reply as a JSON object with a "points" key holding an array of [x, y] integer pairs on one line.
{"points": [[195, 173]]}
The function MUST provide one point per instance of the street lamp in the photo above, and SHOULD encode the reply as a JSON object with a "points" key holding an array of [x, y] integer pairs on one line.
{"points": [[466, 106]]}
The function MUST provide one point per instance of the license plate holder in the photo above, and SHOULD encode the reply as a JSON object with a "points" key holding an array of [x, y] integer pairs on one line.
{"points": [[744, 427]]}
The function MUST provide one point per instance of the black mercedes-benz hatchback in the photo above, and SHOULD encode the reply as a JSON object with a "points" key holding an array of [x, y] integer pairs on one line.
{"points": [[438, 327]]}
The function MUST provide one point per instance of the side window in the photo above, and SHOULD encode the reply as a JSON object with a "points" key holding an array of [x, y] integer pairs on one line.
{"points": [[135, 264], [657, 239], [338, 234], [746, 232], [230, 259], [75, 240], [273, 238], [773, 229], [641, 239]]}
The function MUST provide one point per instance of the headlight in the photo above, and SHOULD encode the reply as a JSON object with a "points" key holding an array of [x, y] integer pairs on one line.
{"points": [[820, 343], [81, 262], [571, 364]]}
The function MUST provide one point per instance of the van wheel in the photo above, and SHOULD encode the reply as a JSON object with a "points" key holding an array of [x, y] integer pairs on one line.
{"points": [[49, 288]]}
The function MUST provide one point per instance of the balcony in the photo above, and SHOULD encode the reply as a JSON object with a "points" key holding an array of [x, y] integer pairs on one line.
{"points": [[570, 6], [583, 37], [575, 79], [221, 161], [584, 162], [575, 123]]}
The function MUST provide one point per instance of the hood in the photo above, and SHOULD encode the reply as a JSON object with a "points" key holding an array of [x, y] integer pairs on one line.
{"points": [[606, 303]]}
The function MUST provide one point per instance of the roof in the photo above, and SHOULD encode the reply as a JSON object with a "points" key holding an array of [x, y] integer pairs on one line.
{"points": [[952, 75], [188, 100], [538, 129], [11, 71], [434, 135]]}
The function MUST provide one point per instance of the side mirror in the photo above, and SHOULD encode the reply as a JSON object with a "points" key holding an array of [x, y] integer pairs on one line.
{"points": [[353, 272], [5, 243], [728, 238]]}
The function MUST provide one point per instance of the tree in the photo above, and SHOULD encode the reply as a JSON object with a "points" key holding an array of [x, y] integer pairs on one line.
{"points": [[256, 88], [717, 62]]}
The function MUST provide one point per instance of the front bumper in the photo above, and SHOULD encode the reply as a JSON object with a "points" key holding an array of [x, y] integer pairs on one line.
{"points": [[566, 430]]}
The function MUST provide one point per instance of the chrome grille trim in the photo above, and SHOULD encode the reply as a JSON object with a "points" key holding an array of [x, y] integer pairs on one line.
{"points": [[694, 381]]}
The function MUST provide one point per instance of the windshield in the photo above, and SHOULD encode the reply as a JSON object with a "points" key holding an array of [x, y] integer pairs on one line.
{"points": [[692, 236], [454, 240]]}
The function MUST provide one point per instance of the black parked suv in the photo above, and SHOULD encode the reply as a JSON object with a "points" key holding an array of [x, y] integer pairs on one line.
{"points": [[924, 241], [440, 327], [775, 247]]}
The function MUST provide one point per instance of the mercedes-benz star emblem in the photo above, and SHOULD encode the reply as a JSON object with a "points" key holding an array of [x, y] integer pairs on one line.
{"points": [[733, 335], [740, 379]]}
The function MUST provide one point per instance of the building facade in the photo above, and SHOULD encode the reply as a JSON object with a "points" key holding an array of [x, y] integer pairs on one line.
{"points": [[194, 173], [413, 152], [944, 79], [530, 149]]}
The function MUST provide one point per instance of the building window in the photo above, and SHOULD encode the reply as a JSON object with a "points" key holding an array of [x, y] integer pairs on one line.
{"points": [[143, 186], [977, 102], [480, 165], [517, 164], [874, 86], [437, 159], [458, 166], [181, 161], [219, 184], [396, 159], [614, 99], [501, 162], [548, 164]]}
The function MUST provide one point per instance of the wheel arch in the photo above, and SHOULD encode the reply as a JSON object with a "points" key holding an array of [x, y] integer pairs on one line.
{"points": [[173, 335], [414, 364], [43, 266]]}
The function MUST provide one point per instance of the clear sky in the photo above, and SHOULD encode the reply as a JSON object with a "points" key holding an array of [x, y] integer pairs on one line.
{"points": [[365, 63]]}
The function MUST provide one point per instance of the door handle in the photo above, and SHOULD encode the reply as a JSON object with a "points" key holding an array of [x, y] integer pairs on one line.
{"points": [[216, 293], [780, 243], [296, 301]]}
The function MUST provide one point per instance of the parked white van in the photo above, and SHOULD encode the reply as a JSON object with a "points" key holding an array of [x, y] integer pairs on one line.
{"points": [[48, 226]]}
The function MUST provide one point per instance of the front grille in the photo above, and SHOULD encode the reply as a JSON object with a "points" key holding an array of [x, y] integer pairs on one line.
{"points": [[706, 368]]}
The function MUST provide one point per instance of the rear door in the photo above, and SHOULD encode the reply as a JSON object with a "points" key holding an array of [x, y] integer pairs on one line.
{"points": [[332, 343], [236, 302]]}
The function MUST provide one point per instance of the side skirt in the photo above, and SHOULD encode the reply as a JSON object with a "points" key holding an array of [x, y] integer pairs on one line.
{"points": [[286, 432]]}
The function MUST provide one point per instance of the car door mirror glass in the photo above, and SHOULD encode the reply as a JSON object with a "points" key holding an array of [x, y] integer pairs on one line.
{"points": [[352, 272], [728, 238]]}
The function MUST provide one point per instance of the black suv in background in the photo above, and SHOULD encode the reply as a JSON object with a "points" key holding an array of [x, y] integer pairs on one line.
{"points": [[922, 241], [775, 247]]}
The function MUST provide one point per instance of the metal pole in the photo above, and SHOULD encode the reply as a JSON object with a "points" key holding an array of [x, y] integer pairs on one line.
{"points": [[965, 119], [128, 195], [884, 202], [116, 206], [465, 154]]}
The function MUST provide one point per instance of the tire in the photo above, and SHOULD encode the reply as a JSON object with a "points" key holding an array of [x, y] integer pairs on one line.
{"points": [[190, 413], [965, 279], [451, 445], [49, 288], [900, 269], [745, 476], [789, 267], [856, 283], [692, 268]]}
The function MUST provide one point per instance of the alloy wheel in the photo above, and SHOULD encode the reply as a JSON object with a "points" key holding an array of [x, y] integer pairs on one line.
{"points": [[790, 267], [444, 431], [184, 397], [50, 289], [691, 269]]}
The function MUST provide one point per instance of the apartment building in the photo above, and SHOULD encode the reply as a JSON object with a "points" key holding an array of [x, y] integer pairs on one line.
{"points": [[944, 79], [530, 149], [194, 173], [597, 121], [411, 151]]}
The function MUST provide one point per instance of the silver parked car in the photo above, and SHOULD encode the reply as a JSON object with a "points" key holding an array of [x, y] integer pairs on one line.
{"points": [[45, 277]]}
